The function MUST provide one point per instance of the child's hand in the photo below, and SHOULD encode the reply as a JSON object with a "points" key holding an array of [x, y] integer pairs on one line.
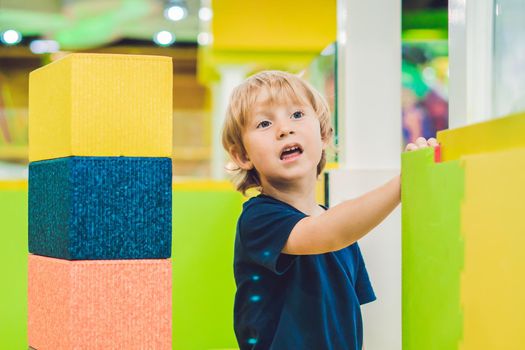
{"points": [[422, 143]]}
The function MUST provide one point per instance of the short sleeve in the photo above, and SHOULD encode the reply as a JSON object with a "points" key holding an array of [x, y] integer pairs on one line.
{"points": [[264, 228], [363, 287]]}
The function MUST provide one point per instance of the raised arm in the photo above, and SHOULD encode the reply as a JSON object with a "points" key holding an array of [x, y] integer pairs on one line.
{"points": [[345, 223], [348, 221]]}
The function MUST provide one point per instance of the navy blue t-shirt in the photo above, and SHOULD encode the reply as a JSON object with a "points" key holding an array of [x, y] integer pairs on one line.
{"points": [[294, 302]]}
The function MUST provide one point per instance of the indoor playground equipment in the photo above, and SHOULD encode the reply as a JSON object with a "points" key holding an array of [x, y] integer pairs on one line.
{"points": [[463, 238], [100, 189], [204, 217]]}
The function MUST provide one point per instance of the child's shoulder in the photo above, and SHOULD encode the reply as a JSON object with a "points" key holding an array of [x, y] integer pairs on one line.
{"points": [[262, 202], [265, 207]]}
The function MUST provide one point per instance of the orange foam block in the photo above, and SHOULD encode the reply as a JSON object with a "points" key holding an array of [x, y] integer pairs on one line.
{"points": [[99, 304]]}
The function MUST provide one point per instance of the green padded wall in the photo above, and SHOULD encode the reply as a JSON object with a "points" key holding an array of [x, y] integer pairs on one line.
{"points": [[432, 252], [13, 269], [203, 286]]}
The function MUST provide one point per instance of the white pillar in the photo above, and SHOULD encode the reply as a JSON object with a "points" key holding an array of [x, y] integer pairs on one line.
{"points": [[470, 61], [369, 98], [370, 83], [230, 77]]}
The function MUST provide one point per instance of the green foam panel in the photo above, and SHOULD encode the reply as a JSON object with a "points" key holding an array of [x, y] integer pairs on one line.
{"points": [[203, 284], [202, 252], [13, 269], [432, 249]]}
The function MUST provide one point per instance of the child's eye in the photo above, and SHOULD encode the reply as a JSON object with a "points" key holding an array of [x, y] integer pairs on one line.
{"points": [[263, 124], [297, 115]]}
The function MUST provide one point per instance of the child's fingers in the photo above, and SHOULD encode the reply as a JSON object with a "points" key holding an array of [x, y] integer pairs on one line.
{"points": [[433, 142], [421, 142], [410, 147]]}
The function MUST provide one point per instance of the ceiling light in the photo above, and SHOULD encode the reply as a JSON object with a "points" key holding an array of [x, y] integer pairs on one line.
{"points": [[11, 37], [175, 13], [164, 38], [43, 46], [205, 14], [204, 39]]}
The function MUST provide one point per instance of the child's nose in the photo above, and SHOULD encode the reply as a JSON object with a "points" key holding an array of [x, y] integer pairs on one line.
{"points": [[284, 131]]}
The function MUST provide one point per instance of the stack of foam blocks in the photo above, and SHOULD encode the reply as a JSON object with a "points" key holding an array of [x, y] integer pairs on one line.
{"points": [[99, 273]]}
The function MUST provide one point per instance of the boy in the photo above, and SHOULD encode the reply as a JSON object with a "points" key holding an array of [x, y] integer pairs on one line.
{"points": [[299, 272]]}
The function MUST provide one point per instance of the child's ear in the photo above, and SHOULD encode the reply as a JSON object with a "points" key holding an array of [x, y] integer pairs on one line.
{"points": [[327, 138], [325, 141], [241, 159]]}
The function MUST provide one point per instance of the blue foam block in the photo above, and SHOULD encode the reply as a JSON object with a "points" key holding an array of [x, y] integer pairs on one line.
{"points": [[100, 208]]}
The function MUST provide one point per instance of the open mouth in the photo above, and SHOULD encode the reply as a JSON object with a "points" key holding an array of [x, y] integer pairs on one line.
{"points": [[291, 152]]}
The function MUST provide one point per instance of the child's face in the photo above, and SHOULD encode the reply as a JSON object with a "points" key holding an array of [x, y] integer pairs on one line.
{"points": [[282, 140]]}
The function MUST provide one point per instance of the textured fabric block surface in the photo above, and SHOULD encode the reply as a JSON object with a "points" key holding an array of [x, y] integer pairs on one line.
{"points": [[101, 105], [99, 208], [92, 305]]}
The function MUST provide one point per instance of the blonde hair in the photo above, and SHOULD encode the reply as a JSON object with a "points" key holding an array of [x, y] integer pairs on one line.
{"points": [[279, 85]]}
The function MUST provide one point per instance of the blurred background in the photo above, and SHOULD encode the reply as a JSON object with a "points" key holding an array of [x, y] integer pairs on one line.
{"points": [[214, 46], [391, 70]]}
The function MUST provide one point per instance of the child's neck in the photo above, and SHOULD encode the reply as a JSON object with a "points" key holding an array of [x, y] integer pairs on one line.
{"points": [[301, 196]]}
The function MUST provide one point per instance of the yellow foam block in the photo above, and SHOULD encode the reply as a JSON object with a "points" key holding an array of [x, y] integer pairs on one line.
{"points": [[493, 280], [266, 26], [490, 136], [101, 105]]}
